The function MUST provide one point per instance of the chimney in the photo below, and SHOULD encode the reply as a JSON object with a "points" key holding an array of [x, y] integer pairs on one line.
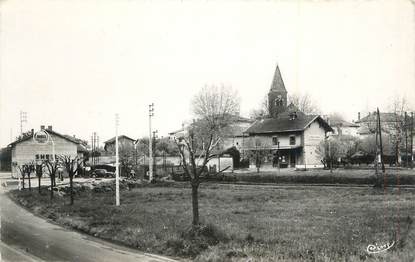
{"points": [[42, 127], [358, 116], [50, 128]]}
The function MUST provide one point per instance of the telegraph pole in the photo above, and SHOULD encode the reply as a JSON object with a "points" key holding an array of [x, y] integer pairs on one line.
{"points": [[94, 140], [97, 149], [380, 141], [154, 158], [412, 140], [117, 171], [406, 139], [150, 153], [23, 119], [377, 149], [331, 161]]}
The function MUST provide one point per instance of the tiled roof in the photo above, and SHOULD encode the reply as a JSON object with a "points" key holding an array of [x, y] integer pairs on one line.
{"points": [[384, 117], [342, 123], [112, 140], [52, 132], [237, 124], [284, 123]]}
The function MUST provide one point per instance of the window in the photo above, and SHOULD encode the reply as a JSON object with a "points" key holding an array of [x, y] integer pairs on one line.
{"points": [[292, 140], [47, 157], [42, 156], [37, 156], [293, 115], [275, 140], [278, 101]]}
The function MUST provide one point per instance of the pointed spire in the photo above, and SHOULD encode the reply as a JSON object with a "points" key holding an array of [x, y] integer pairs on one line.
{"points": [[277, 82]]}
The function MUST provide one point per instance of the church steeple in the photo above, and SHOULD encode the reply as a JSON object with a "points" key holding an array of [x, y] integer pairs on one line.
{"points": [[277, 96], [277, 82]]}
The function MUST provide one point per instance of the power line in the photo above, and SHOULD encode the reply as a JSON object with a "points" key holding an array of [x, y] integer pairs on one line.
{"points": [[23, 119]]}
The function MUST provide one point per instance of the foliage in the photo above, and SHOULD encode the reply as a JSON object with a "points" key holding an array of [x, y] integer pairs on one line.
{"points": [[368, 145], [5, 158], [166, 146], [340, 147], [399, 106]]}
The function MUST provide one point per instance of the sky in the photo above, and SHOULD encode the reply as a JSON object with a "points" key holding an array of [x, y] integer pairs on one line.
{"points": [[75, 64]]}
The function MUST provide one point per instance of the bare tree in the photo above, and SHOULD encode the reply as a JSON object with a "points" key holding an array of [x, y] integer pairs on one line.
{"points": [[304, 103], [214, 107], [26, 170], [22, 173], [39, 174], [72, 166], [52, 167], [398, 107], [261, 111], [330, 150]]}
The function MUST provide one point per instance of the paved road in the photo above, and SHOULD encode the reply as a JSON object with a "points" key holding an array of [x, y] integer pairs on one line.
{"points": [[26, 237]]}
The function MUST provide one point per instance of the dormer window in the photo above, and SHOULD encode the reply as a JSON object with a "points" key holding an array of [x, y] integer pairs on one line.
{"points": [[293, 115]]}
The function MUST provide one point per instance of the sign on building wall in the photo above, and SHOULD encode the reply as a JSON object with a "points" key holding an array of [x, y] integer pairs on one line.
{"points": [[41, 137]]}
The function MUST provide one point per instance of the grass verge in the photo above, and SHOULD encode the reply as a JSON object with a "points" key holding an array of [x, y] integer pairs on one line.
{"points": [[241, 223]]}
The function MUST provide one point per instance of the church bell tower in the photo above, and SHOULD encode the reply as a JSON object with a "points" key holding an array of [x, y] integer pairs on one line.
{"points": [[277, 96]]}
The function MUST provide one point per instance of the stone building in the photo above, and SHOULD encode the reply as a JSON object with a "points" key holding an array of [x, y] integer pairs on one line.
{"points": [[26, 150], [288, 138], [344, 128], [125, 143]]}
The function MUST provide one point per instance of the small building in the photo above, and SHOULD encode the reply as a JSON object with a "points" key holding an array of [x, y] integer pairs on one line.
{"points": [[342, 127], [390, 123], [288, 137], [26, 150], [235, 135], [124, 143]]}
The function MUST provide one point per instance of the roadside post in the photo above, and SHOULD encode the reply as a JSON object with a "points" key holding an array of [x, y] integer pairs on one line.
{"points": [[150, 153], [117, 170]]}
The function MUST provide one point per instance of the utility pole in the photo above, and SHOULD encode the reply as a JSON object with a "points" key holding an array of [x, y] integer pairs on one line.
{"points": [[150, 148], [154, 158], [328, 139], [406, 139], [117, 171], [97, 149], [23, 119], [412, 140], [380, 140], [94, 140], [92, 149], [377, 148]]}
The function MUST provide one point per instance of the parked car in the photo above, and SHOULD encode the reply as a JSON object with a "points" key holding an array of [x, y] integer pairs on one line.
{"points": [[102, 173]]}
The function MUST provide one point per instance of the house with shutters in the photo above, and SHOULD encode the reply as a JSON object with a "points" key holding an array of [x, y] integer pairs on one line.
{"points": [[288, 137]]}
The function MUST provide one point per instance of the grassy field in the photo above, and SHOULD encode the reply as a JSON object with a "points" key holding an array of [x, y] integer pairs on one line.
{"points": [[242, 223], [319, 176]]}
